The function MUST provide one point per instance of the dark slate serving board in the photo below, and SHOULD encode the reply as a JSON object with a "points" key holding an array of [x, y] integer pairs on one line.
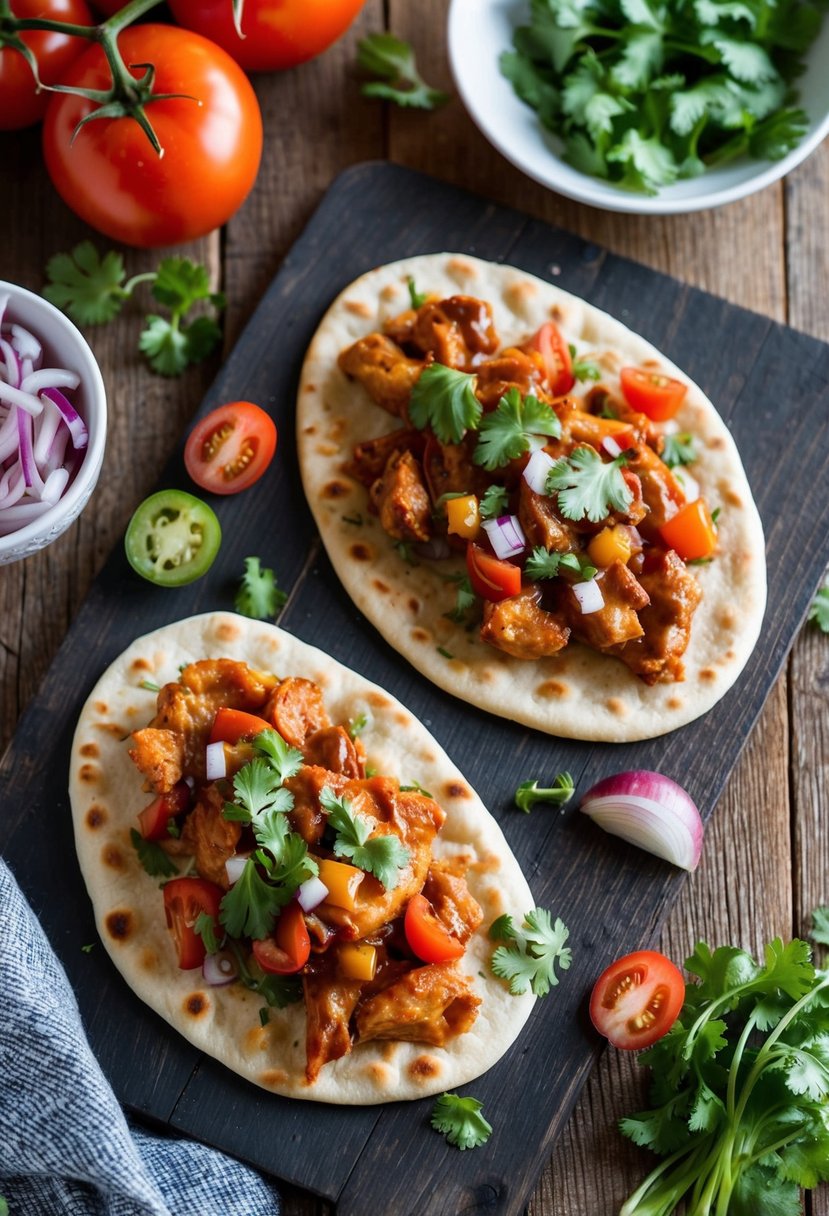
{"points": [[770, 384]]}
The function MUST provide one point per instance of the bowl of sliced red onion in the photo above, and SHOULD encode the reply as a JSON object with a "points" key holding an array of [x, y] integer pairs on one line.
{"points": [[52, 422]]}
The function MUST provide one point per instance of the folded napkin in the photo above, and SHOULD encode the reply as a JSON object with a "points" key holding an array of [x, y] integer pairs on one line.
{"points": [[65, 1147]]}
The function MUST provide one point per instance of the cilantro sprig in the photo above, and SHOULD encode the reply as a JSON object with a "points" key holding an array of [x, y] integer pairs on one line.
{"points": [[259, 595], [91, 290], [393, 60], [819, 610], [155, 861], [588, 486], [543, 564], [529, 962], [679, 449], [445, 400], [461, 1121], [494, 502], [384, 855], [516, 425], [583, 369]]}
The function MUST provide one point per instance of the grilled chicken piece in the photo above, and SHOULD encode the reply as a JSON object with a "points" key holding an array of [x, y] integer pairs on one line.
{"points": [[159, 755], [674, 595], [456, 332], [599, 399], [541, 521], [660, 489], [617, 621], [521, 627], [428, 1005], [370, 457], [297, 710], [209, 837], [307, 816], [453, 904], [385, 372], [513, 368], [448, 468], [329, 1004], [331, 748], [401, 499]]}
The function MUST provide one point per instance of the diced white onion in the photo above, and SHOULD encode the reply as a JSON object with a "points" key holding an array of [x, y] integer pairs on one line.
{"points": [[234, 867], [687, 483], [505, 535], [311, 893], [215, 762], [650, 811], [589, 596], [611, 446], [536, 470]]}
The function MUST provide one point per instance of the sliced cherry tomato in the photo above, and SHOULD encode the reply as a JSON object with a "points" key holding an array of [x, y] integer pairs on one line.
{"points": [[153, 820], [491, 578], [429, 939], [184, 901], [558, 363], [230, 448], [652, 393], [691, 531], [20, 102], [637, 999], [289, 949], [231, 725], [172, 538]]}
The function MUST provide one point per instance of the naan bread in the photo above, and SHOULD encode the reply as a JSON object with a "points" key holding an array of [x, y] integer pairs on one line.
{"points": [[578, 693], [106, 795]]}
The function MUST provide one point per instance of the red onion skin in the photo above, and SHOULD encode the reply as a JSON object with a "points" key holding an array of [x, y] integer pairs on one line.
{"points": [[646, 784]]}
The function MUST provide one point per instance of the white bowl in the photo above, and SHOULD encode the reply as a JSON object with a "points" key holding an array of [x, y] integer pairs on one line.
{"points": [[63, 346], [479, 30]]}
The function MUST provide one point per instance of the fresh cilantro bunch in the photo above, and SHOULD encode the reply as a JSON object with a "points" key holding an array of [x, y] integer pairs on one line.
{"points": [[92, 291], [384, 856], [740, 1088], [393, 60], [535, 949], [643, 93], [460, 1120]]}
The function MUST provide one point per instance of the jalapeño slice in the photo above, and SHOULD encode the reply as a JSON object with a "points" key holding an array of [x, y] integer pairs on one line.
{"points": [[172, 538]]}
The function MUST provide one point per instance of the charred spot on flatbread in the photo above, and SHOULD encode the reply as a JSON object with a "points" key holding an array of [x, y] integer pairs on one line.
{"points": [[552, 688], [140, 665], [274, 1078], [89, 774], [361, 552], [149, 959], [196, 1005], [616, 706], [456, 789], [424, 1068], [91, 749], [96, 817], [112, 857], [336, 489], [120, 924]]}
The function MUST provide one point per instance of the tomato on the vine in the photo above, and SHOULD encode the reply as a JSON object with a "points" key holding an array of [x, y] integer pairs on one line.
{"points": [[277, 33], [20, 103], [109, 173]]}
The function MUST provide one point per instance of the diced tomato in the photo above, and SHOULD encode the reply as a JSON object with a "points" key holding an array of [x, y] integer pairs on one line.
{"points": [[691, 531], [184, 900], [652, 393], [289, 949], [231, 725], [429, 939], [637, 999], [230, 448], [153, 820], [490, 577], [558, 364]]}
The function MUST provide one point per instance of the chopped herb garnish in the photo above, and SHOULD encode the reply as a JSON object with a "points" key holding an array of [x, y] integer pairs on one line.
{"points": [[584, 369], [514, 427], [529, 793], [530, 962], [259, 595], [278, 990], [587, 486], [417, 298], [444, 399], [150, 686], [357, 725], [494, 502], [541, 564], [404, 550], [679, 449], [357, 520], [88, 948], [264, 1016], [152, 857], [393, 60], [205, 926], [819, 611], [464, 600], [447, 654], [416, 787], [249, 908], [284, 759], [173, 828], [715, 514], [460, 1120], [371, 770], [384, 855], [699, 561], [608, 412]]}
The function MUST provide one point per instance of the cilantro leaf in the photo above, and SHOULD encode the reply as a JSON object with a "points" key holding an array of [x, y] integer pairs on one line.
{"points": [[357, 725], [819, 611], [543, 564], [248, 909], [560, 792], [394, 61], [820, 926], [679, 449], [259, 595], [583, 369], [587, 486], [180, 283], [515, 426], [86, 286], [155, 861], [171, 346], [460, 1120], [284, 759], [465, 598], [383, 855], [445, 400], [205, 926], [494, 502], [530, 961], [258, 786], [417, 298]]}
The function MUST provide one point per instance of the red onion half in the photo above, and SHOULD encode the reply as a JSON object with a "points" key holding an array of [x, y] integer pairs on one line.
{"points": [[650, 811], [219, 969]]}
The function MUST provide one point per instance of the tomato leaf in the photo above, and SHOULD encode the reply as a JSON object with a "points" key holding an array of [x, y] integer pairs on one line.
{"points": [[393, 60], [514, 427], [587, 486], [530, 961], [155, 861], [445, 400], [259, 595], [461, 1121], [86, 286], [382, 855]]}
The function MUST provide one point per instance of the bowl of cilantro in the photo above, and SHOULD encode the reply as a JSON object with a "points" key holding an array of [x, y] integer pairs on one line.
{"points": [[646, 107]]}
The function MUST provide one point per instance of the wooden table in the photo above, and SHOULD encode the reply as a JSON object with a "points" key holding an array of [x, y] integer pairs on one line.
{"points": [[766, 860]]}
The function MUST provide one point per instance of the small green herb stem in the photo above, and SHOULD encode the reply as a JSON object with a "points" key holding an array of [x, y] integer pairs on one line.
{"points": [[766, 1149], [129, 287], [672, 1187], [735, 1064]]}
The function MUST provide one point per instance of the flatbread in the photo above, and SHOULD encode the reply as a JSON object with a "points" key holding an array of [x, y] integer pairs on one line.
{"points": [[578, 693], [106, 794]]}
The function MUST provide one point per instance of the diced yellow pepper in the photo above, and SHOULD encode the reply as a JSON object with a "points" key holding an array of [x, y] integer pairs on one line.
{"points": [[609, 546], [342, 881], [357, 961], [464, 516]]}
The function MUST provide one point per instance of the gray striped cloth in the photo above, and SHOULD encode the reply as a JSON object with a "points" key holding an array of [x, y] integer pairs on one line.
{"points": [[65, 1147]]}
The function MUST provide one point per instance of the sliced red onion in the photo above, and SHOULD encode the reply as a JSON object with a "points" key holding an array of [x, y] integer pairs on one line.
{"points": [[13, 372], [436, 549], [46, 428], [505, 535], [687, 483], [215, 761], [49, 377], [219, 969], [589, 596], [4, 303], [77, 427], [12, 486], [536, 470], [611, 446], [234, 867], [25, 343], [54, 485], [311, 893], [650, 811], [12, 518], [25, 401]]}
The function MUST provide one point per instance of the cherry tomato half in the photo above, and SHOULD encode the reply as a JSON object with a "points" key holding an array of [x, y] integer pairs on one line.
{"points": [[652, 393], [558, 363], [20, 103], [277, 33], [211, 133], [429, 939], [231, 725], [153, 820], [289, 949], [172, 538], [637, 999], [691, 531], [230, 448], [184, 901], [490, 577]]}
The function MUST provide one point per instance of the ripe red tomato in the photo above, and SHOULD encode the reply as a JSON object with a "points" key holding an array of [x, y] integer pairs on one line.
{"points": [[652, 393], [184, 900], [153, 820], [277, 33], [490, 577], [429, 939], [110, 175], [637, 999], [231, 725], [290, 947], [555, 352], [20, 104], [230, 448]]}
